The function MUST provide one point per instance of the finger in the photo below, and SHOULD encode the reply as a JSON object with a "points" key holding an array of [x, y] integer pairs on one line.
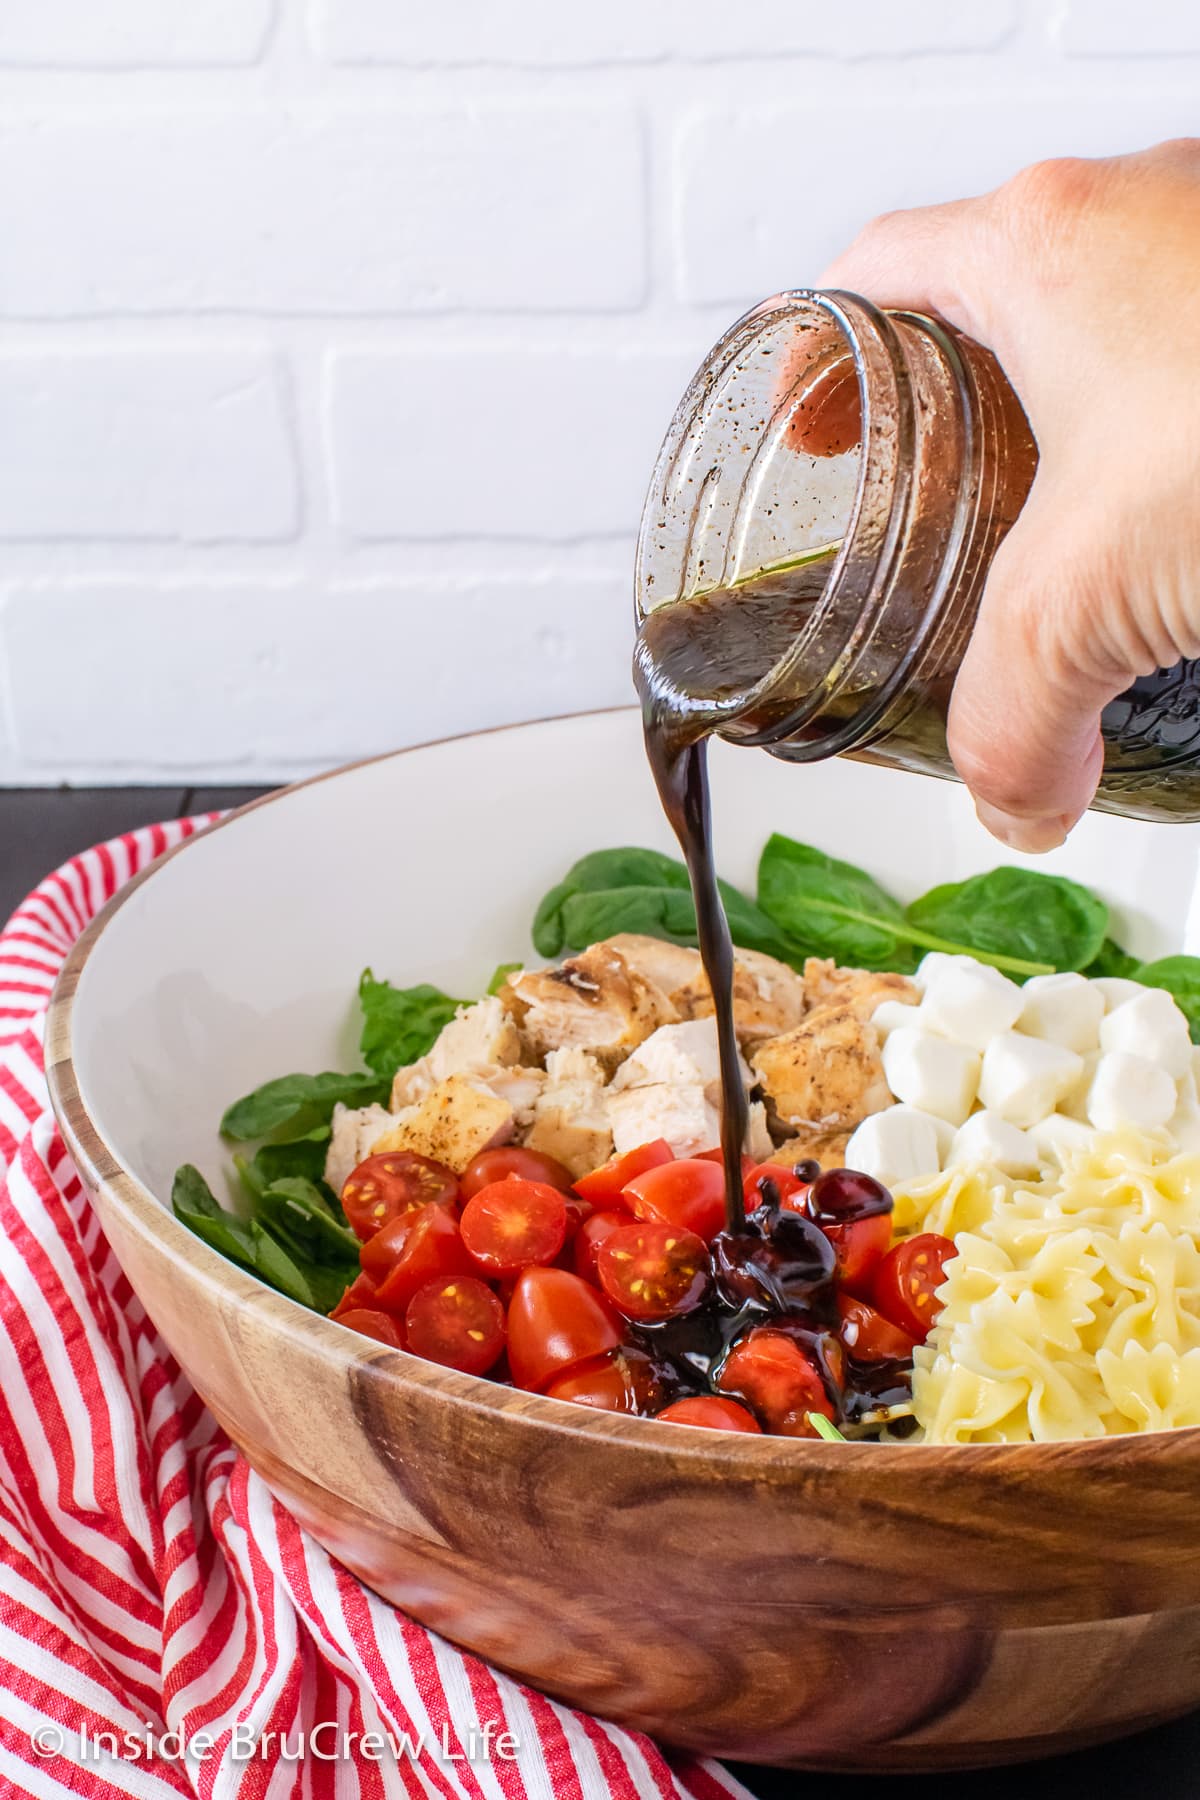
{"points": [[1024, 729], [929, 259]]}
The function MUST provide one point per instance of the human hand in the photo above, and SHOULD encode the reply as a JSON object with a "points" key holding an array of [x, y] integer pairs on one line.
{"points": [[1084, 279]]}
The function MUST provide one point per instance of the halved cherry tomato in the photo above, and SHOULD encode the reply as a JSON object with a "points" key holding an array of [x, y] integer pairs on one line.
{"points": [[382, 1249], [781, 1383], [652, 1270], [606, 1182], [868, 1336], [783, 1188], [373, 1324], [907, 1280], [512, 1223], [361, 1292], [393, 1183], [459, 1323], [860, 1246], [624, 1381], [530, 1165], [711, 1412], [432, 1248], [578, 1213], [717, 1155], [689, 1193], [555, 1322], [592, 1233]]}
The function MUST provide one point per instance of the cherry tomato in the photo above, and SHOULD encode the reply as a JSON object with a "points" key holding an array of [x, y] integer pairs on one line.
{"points": [[860, 1247], [907, 1280], [530, 1165], [382, 1249], [606, 1182], [592, 1233], [578, 1213], [690, 1194], [652, 1270], [385, 1187], [512, 1223], [624, 1381], [433, 1248], [868, 1336], [361, 1292], [717, 1155], [373, 1324], [783, 1188], [711, 1412], [459, 1323], [779, 1380], [555, 1322]]}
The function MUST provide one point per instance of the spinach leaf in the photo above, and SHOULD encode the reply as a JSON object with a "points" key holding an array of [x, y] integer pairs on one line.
{"points": [[196, 1206], [644, 891], [400, 1024], [501, 975], [1110, 959], [191, 1193], [603, 871], [275, 1162], [832, 907], [296, 1213], [1016, 914], [1180, 976], [296, 1107]]}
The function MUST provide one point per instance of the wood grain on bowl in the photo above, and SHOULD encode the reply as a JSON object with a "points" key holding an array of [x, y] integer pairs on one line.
{"points": [[872, 1607]]}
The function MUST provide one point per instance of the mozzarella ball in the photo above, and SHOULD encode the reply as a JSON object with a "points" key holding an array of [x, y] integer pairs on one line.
{"points": [[1116, 990], [1075, 1103], [1130, 1090], [889, 1015], [1065, 1009], [1057, 1137], [1150, 1025], [970, 1002], [988, 1139], [930, 964], [931, 1073], [1024, 1078], [898, 1144]]}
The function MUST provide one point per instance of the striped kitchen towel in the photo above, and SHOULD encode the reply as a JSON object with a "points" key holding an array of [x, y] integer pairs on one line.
{"points": [[165, 1626]]}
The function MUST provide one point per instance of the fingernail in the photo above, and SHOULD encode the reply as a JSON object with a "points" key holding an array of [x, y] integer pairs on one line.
{"points": [[1031, 836]]}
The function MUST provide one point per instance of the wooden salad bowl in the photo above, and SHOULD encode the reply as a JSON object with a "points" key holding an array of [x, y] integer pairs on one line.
{"points": [[848, 1606]]}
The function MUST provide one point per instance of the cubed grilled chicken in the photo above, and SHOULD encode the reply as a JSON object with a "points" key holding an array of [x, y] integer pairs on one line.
{"points": [[670, 1087], [824, 1075], [354, 1133], [570, 1118], [478, 1037], [826, 1147], [594, 1002], [862, 990], [452, 1123], [768, 997]]}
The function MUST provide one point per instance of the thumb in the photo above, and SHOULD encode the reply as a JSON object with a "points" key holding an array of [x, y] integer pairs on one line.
{"points": [[1024, 728]]}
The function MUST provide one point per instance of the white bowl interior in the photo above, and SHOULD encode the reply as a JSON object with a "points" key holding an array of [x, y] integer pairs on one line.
{"points": [[239, 959]]}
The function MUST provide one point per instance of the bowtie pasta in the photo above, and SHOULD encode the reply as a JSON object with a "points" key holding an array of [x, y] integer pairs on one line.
{"points": [[1073, 1307]]}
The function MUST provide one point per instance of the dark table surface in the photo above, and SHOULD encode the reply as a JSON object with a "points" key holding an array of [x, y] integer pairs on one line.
{"points": [[41, 827]]}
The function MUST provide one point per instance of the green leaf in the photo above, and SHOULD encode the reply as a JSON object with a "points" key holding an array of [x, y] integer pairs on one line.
{"points": [[400, 1024], [602, 871], [298, 1215], [1110, 959], [832, 907], [275, 1162], [191, 1193], [281, 1270], [503, 971], [294, 1107], [1017, 913], [1180, 976]]}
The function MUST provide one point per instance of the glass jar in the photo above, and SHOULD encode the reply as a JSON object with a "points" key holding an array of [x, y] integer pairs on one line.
{"points": [[862, 467]]}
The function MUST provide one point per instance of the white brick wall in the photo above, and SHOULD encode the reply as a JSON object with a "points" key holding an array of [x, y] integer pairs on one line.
{"points": [[337, 336]]}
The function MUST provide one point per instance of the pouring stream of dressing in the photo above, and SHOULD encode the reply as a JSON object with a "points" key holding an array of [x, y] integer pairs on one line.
{"points": [[694, 663]]}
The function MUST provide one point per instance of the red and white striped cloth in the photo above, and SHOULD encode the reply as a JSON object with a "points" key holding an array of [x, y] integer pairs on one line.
{"points": [[149, 1583]]}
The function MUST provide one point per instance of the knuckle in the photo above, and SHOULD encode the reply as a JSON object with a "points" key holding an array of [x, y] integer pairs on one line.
{"points": [[1056, 188]]}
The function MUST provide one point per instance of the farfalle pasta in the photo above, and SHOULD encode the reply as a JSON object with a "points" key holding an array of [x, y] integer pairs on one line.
{"points": [[1072, 1309]]}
